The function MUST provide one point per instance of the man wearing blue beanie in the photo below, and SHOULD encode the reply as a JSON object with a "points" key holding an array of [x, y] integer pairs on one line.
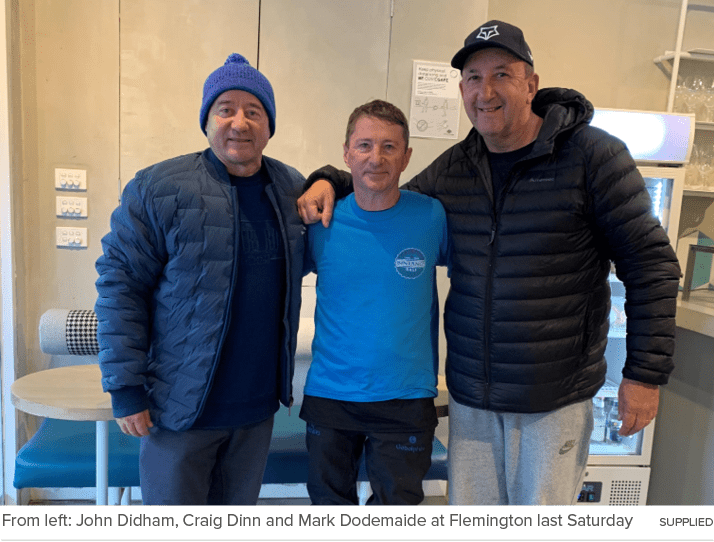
{"points": [[199, 301]]}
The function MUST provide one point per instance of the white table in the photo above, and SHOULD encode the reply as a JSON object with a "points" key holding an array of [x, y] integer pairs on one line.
{"points": [[70, 393]]}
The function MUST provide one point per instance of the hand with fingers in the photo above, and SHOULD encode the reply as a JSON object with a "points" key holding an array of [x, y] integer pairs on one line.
{"points": [[638, 403], [136, 425], [317, 203]]}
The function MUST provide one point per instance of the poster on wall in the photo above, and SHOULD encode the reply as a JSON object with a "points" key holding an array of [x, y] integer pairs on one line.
{"points": [[435, 104]]}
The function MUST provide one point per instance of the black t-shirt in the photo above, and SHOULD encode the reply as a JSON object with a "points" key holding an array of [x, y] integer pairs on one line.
{"points": [[393, 416], [501, 165], [245, 385]]}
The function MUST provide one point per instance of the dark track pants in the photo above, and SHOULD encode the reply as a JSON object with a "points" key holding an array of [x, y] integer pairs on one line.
{"points": [[396, 464]]}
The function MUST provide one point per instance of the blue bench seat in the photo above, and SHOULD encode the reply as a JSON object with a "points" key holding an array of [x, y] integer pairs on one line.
{"points": [[288, 461], [62, 453]]}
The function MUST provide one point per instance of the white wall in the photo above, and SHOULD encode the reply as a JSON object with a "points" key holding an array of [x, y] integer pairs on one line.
{"points": [[7, 259], [604, 49]]}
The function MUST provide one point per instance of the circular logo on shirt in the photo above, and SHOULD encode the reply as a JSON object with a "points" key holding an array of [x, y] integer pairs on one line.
{"points": [[410, 263]]}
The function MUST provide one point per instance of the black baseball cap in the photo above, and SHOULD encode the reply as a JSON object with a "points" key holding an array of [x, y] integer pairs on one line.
{"points": [[494, 34]]}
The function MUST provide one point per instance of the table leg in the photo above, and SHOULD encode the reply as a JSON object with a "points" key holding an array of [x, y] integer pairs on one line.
{"points": [[102, 462]]}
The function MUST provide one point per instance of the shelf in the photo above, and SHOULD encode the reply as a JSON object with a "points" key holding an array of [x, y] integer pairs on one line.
{"points": [[664, 62], [707, 126], [698, 193], [695, 316]]}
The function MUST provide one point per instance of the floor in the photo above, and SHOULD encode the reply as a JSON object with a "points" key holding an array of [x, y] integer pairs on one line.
{"points": [[428, 501]]}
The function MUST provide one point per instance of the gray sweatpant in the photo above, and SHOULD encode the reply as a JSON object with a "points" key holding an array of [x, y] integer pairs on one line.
{"points": [[511, 458]]}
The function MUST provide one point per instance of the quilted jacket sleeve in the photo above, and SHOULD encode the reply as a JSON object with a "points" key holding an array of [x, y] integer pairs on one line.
{"points": [[425, 181], [644, 259], [134, 255], [340, 180]]}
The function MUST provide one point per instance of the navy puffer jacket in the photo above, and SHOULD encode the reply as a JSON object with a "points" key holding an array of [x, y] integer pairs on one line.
{"points": [[165, 281], [527, 315]]}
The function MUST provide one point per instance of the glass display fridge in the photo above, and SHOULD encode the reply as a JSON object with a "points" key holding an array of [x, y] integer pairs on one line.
{"points": [[618, 468]]}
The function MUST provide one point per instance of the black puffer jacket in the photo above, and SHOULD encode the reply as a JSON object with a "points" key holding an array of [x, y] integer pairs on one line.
{"points": [[527, 315]]}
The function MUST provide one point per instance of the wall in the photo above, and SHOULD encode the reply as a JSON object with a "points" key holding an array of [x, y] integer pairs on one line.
{"points": [[603, 49], [167, 49], [7, 244]]}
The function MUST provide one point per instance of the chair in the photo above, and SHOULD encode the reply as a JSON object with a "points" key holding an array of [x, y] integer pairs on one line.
{"points": [[62, 453]]}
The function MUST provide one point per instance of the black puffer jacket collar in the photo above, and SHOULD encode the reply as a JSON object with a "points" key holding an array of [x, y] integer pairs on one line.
{"points": [[562, 110]]}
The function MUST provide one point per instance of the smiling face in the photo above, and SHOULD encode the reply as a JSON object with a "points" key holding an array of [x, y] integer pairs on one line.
{"points": [[377, 154], [498, 89], [238, 130]]}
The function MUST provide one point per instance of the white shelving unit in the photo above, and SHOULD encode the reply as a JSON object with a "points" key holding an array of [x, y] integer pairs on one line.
{"points": [[671, 61]]}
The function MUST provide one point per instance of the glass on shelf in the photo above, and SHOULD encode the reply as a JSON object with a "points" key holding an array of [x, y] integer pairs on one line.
{"points": [[699, 89], [699, 173], [680, 104], [692, 180], [690, 93], [695, 94], [709, 101], [706, 167]]}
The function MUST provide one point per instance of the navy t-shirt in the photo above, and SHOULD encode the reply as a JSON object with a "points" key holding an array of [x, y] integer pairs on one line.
{"points": [[245, 384], [501, 165]]}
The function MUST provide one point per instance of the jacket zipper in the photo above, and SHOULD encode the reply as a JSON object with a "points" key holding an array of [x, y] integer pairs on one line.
{"points": [[493, 244], [487, 311], [288, 293], [231, 292]]}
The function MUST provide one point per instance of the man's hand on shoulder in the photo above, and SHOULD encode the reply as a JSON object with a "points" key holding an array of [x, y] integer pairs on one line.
{"points": [[638, 403], [317, 203], [136, 425]]}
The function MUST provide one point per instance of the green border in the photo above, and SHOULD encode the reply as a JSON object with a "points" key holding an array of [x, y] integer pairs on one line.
{"points": [[359, 523]]}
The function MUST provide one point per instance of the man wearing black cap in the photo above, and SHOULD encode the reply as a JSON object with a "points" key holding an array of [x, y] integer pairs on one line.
{"points": [[539, 204], [199, 301]]}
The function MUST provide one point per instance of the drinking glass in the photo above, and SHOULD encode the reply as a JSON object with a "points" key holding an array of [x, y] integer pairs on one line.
{"points": [[690, 96], [698, 91], [680, 104], [706, 167], [691, 179], [709, 100]]}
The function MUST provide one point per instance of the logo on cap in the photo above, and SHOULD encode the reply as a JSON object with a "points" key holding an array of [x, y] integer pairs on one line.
{"points": [[487, 32]]}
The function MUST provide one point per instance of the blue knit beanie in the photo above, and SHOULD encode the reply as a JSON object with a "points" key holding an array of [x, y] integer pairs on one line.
{"points": [[238, 74]]}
